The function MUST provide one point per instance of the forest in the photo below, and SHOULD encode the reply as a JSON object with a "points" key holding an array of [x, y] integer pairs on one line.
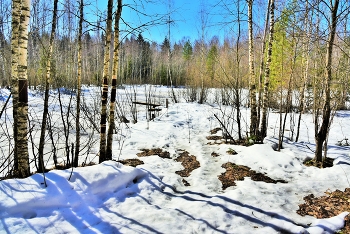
{"points": [[79, 84], [295, 60]]}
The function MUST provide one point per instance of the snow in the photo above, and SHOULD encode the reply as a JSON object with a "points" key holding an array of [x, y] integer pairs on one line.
{"points": [[113, 198]]}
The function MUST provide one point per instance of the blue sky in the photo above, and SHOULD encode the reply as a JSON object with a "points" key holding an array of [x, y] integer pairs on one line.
{"points": [[184, 13]]}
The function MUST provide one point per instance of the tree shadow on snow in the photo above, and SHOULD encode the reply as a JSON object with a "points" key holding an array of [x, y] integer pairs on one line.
{"points": [[79, 214], [190, 196], [134, 222]]}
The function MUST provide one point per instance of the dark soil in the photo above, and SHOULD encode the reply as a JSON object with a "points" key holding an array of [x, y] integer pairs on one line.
{"points": [[327, 206], [218, 140], [328, 162], [156, 151], [131, 162], [332, 204], [215, 130], [231, 152], [189, 162], [185, 182], [238, 172], [214, 138]]}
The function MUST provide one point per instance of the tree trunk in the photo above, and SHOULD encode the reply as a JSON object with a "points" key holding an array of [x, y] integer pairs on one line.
{"points": [[21, 143], [105, 77], [305, 60], [321, 135], [169, 63], [267, 72], [77, 122], [288, 100], [237, 88], [302, 97], [16, 13], [252, 82], [47, 87], [111, 126], [262, 60]]}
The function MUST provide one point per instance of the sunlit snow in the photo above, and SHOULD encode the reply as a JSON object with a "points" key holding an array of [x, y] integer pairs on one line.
{"points": [[113, 198]]}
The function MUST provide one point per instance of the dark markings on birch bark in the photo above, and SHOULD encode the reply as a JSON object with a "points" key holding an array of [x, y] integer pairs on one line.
{"points": [[263, 131], [105, 75], [111, 127]]}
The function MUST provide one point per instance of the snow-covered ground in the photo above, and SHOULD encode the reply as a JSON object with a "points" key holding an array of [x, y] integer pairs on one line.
{"points": [[113, 198]]}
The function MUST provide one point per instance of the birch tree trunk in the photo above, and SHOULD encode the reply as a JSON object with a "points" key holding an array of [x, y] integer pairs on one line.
{"points": [[77, 123], [47, 87], [105, 77], [267, 72], [16, 13], [252, 83], [262, 61], [321, 135], [115, 71], [21, 143], [305, 65]]}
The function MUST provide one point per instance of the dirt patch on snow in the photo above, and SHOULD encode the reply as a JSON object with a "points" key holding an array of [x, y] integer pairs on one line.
{"points": [[332, 204], [328, 162], [238, 172], [156, 151], [189, 162], [185, 182], [214, 138], [219, 139], [134, 162], [215, 130]]}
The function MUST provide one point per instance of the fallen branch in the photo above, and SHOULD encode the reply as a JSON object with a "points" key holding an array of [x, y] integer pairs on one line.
{"points": [[229, 135]]}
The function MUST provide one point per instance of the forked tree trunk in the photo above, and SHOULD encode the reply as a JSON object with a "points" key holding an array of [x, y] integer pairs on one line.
{"points": [[321, 135], [252, 82], [267, 72], [111, 126], [77, 120], [21, 143], [105, 77], [47, 87]]}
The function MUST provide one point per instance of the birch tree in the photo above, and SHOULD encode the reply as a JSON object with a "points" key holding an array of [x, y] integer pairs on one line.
{"points": [[267, 71], [105, 76], [305, 65], [262, 60], [252, 82], [16, 13], [20, 22], [115, 71], [77, 122]]}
